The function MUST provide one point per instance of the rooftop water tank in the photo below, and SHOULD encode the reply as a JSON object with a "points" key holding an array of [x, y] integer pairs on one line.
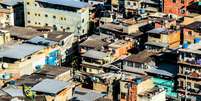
{"points": [[196, 40], [185, 44]]}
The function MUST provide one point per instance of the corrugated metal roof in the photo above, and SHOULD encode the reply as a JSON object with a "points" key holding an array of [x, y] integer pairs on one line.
{"points": [[70, 3], [158, 31], [20, 51], [41, 41], [11, 2], [51, 86], [82, 94], [95, 54], [160, 72], [13, 91]]}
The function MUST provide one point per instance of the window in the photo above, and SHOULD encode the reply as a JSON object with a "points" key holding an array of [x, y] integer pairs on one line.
{"points": [[46, 15], [46, 24], [61, 18], [36, 23], [137, 65], [35, 14], [181, 84], [189, 32], [68, 28], [188, 84], [174, 1], [183, 11], [27, 3], [64, 18], [130, 64], [35, 4], [90, 70], [82, 20], [155, 35], [83, 31], [38, 14], [134, 4], [54, 17], [197, 86], [7, 16], [123, 95], [29, 21], [128, 3], [54, 27], [28, 13], [39, 23]]}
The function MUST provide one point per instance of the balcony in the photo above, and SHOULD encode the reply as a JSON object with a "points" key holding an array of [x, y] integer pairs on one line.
{"points": [[192, 75], [191, 91], [190, 61]]}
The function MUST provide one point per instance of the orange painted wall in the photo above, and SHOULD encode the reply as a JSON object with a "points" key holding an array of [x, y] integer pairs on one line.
{"points": [[171, 7], [123, 50], [174, 39]]}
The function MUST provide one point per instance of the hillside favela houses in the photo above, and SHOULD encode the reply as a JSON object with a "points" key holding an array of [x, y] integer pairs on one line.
{"points": [[100, 50]]}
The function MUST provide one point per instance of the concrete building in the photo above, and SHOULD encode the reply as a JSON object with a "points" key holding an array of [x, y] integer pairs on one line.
{"points": [[82, 94], [93, 61], [192, 31], [67, 16], [163, 38], [119, 48], [189, 72], [13, 12], [138, 63], [65, 40], [54, 89], [154, 94], [6, 16], [29, 57], [178, 7], [5, 37], [140, 88]]}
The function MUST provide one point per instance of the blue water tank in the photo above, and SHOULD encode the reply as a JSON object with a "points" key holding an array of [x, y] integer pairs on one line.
{"points": [[185, 44], [196, 40]]}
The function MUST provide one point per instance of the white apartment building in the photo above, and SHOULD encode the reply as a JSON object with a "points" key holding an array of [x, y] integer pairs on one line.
{"points": [[61, 15]]}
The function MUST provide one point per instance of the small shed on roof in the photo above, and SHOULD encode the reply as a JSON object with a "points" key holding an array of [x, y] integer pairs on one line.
{"points": [[51, 86]]}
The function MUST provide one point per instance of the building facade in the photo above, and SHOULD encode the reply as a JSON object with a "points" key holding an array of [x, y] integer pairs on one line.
{"points": [[62, 16]]}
